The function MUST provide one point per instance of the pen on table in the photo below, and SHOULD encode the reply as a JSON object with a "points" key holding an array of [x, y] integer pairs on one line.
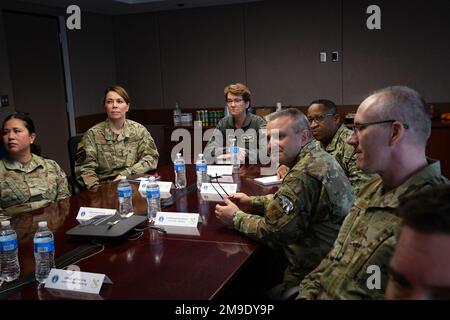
{"points": [[217, 191], [217, 179], [110, 224]]}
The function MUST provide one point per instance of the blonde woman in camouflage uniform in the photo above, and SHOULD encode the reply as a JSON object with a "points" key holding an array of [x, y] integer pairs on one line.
{"points": [[115, 147], [27, 181]]}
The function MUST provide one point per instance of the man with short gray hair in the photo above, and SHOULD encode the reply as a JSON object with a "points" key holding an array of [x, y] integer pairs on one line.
{"points": [[303, 217], [390, 132]]}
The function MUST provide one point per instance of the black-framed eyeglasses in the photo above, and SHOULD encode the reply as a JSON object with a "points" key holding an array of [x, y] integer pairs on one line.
{"points": [[320, 118], [357, 127]]}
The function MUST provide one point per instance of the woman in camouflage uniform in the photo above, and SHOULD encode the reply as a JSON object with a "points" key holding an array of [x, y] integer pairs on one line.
{"points": [[27, 181], [115, 147]]}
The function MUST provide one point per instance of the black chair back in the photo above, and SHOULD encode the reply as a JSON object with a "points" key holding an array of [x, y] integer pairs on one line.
{"points": [[72, 145]]}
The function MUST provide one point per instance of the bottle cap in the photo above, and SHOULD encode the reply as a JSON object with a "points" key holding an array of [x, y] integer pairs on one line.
{"points": [[200, 155], [42, 224], [178, 154], [5, 223], [151, 178]]}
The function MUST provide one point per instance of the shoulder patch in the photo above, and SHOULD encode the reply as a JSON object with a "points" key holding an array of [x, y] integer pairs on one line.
{"points": [[286, 204]]}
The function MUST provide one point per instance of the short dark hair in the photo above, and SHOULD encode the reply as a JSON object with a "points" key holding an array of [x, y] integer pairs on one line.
{"points": [[330, 106], [427, 211], [34, 148]]}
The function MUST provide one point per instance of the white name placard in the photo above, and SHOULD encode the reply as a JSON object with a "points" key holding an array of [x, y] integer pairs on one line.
{"points": [[215, 188], [87, 213], [212, 170], [176, 219], [224, 179], [74, 281], [164, 188], [211, 197]]}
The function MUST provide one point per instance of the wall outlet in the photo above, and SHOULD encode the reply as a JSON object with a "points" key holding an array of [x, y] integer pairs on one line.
{"points": [[4, 100], [323, 56]]}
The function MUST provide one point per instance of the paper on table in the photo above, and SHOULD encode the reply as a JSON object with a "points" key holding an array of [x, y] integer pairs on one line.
{"points": [[267, 181]]}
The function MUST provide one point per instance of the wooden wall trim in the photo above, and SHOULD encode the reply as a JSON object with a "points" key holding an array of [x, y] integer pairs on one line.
{"points": [[164, 116]]}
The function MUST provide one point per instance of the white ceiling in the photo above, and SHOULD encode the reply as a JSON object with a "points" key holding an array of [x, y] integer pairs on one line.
{"points": [[113, 7]]}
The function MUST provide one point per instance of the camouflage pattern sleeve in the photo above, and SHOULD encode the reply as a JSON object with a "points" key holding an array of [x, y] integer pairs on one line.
{"points": [[259, 203], [86, 161], [61, 183], [147, 154], [286, 216], [345, 155], [356, 176], [311, 285]]}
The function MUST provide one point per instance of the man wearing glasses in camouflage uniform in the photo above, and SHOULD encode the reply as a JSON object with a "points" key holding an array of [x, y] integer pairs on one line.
{"points": [[391, 130]]}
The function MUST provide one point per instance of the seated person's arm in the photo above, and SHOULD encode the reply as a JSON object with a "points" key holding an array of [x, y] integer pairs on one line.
{"points": [[286, 216], [61, 184], [86, 162], [147, 154]]}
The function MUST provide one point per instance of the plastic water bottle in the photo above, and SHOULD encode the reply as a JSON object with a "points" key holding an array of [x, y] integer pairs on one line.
{"points": [[44, 251], [180, 172], [153, 199], [234, 151], [201, 168], [278, 106], [125, 195], [10, 268]]}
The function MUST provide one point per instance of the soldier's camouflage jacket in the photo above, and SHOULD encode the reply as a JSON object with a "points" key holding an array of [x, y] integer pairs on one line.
{"points": [[29, 186], [102, 155], [344, 154], [367, 238], [304, 216]]}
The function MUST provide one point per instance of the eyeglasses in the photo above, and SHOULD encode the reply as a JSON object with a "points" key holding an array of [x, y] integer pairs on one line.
{"points": [[320, 118], [236, 101], [357, 127]]}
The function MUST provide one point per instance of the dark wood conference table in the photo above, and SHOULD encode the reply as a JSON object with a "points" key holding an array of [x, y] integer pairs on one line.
{"points": [[156, 265]]}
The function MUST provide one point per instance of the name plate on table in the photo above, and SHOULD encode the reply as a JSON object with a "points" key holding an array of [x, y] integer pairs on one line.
{"points": [[214, 188], [164, 188], [72, 280], [176, 219], [212, 170], [87, 213]]}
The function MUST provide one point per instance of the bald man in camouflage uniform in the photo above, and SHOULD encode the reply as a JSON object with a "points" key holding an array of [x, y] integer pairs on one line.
{"points": [[304, 216], [30, 186], [391, 130], [102, 155]]}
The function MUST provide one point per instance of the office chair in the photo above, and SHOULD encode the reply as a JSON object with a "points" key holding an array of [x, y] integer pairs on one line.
{"points": [[72, 145]]}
